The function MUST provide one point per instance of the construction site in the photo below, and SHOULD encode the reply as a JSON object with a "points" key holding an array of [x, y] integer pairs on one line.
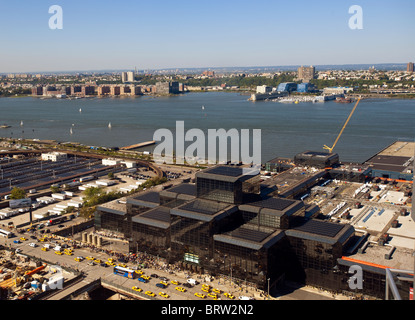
{"points": [[23, 278]]}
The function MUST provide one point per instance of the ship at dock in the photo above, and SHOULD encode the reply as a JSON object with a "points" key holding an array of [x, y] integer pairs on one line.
{"points": [[343, 100]]}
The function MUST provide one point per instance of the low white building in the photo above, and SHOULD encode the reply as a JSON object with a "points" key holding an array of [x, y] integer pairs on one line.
{"points": [[54, 156], [111, 162], [337, 90]]}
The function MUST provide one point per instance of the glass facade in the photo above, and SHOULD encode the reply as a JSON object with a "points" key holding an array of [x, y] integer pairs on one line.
{"points": [[190, 236], [217, 190], [220, 232], [150, 239], [111, 221]]}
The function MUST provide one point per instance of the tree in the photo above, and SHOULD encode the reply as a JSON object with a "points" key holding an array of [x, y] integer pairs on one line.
{"points": [[54, 189], [17, 193]]}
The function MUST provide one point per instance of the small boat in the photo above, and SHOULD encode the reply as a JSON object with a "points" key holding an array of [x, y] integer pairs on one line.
{"points": [[80, 110], [109, 125], [203, 107], [21, 123], [4, 126], [343, 100], [70, 131]]}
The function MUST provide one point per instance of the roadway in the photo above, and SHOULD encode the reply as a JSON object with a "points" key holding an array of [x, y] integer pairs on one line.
{"points": [[93, 272]]}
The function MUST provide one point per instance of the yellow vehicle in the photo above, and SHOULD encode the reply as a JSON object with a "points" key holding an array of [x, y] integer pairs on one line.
{"points": [[163, 282], [197, 294], [41, 239], [139, 272], [135, 288], [174, 282], [205, 289], [217, 290], [97, 261], [149, 293], [78, 259], [213, 295], [110, 263], [44, 249], [59, 253], [111, 260], [23, 239], [68, 253], [122, 265], [228, 295], [145, 277], [90, 258], [180, 289], [164, 295]]}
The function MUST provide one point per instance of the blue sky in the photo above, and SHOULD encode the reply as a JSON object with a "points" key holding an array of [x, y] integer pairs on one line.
{"points": [[159, 34]]}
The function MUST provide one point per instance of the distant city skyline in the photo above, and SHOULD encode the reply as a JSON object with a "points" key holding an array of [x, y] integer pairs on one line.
{"points": [[161, 34]]}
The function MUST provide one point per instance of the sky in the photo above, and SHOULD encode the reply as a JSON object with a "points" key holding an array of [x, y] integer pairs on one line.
{"points": [[157, 34]]}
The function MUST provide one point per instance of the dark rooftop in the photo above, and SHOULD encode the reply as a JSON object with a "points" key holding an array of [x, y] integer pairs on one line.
{"points": [[183, 188], [321, 228], [151, 196], [229, 171], [250, 234], [273, 203], [204, 206], [158, 213]]}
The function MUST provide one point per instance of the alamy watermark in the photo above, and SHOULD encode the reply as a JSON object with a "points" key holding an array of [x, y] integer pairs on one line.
{"points": [[195, 153], [56, 281], [356, 280], [56, 20], [356, 20]]}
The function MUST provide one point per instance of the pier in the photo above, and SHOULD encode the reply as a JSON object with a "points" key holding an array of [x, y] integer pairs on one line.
{"points": [[139, 145]]}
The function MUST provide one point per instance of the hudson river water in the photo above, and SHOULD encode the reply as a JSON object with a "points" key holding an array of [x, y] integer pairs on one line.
{"points": [[286, 129]]}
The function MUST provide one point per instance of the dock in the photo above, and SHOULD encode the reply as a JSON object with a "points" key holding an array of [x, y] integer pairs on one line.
{"points": [[139, 145]]}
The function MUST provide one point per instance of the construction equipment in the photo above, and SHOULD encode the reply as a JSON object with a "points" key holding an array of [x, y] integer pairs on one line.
{"points": [[344, 126]]}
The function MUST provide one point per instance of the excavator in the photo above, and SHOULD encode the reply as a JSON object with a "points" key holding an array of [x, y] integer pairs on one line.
{"points": [[330, 149]]}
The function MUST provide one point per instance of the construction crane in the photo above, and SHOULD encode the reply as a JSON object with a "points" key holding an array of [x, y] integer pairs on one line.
{"points": [[344, 126]]}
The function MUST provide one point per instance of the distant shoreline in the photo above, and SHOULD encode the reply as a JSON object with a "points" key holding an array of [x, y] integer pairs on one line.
{"points": [[408, 96]]}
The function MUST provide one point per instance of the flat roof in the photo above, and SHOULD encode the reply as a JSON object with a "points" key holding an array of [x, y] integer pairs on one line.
{"points": [[322, 231], [116, 206], [274, 203], [204, 206], [204, 210], [228, 173], [157, 217], [149, 196], [251, 237], [400, 149], [398, 157], [186, 189]]}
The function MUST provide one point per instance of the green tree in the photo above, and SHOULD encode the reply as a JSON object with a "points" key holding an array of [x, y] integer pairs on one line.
{"points": [[17, 193], [54, 189]]}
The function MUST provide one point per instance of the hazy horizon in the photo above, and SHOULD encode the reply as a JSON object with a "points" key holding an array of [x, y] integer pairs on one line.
{"points": [[163, 34]]}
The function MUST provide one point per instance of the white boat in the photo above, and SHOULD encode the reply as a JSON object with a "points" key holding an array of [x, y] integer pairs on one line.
{"points": [[70, 131], [80, 110], [203, 107], [21, 123], [109, 125]]}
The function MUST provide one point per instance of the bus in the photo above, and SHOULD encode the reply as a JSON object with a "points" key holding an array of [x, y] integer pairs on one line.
{"points": [[54, 221], [125, 272], [6, 234]]}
